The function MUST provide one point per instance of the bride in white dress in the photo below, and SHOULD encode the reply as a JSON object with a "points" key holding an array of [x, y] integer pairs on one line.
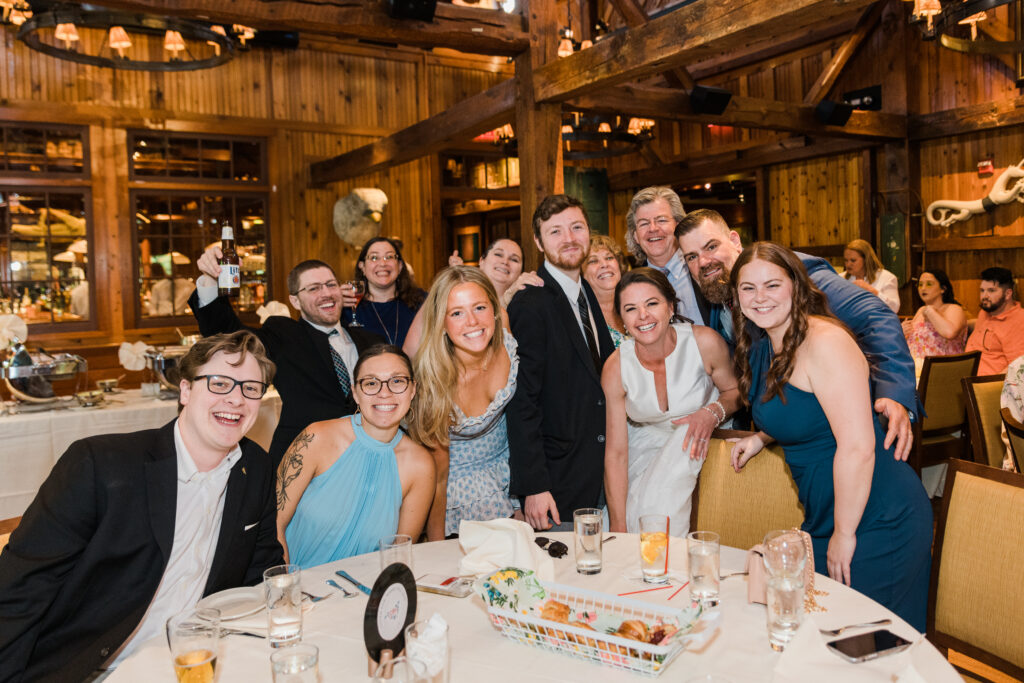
{"points": [[667, 387]]}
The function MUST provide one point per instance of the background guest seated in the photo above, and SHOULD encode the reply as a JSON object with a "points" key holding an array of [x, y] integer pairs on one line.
{"points": [[939, 328], [467, 367], [345, 483], [864, 269]]}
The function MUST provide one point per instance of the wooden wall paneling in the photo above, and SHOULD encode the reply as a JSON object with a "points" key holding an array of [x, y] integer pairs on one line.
{"points": [[816, 202]]}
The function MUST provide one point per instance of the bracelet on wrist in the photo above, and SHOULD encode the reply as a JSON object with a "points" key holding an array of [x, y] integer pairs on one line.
{"points": [[718, 420]]}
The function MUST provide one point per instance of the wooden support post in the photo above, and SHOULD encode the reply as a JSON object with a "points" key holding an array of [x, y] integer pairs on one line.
{"points": [[538, 126], [764, 227]]}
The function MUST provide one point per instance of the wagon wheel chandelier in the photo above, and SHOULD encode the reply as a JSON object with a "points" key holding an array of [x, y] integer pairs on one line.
{"points": [[941, 19]]}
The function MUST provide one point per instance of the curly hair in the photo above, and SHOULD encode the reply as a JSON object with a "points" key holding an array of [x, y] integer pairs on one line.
{"points": [[406, 291], [432, 415], [611, 246], [808, 300]]}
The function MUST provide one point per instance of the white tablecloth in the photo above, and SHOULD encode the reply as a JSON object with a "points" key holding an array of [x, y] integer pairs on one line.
{"points": [[31, 443], [739, 651]]}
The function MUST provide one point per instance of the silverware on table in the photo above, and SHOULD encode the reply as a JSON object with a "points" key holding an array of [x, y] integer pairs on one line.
{"points": [[240, 632], [841, 629], [346, 593], [316, 598], [726, 576], [609, 538], [345, 575]]}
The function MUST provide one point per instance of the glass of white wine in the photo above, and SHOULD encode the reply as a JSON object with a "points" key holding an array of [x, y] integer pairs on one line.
{"points": [[194, 639]]}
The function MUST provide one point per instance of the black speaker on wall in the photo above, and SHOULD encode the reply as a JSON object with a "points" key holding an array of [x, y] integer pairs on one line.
{"points": [[833, 113], [420, 10], [705, 99]]}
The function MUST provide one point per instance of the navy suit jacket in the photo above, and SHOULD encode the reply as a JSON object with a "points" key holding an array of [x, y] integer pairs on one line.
{"points": [[556, 420], [84, 564]]}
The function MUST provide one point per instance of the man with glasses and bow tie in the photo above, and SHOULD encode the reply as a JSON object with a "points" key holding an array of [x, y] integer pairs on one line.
{"points": [[131, 529], [999, 331], [556, 418], [315, 355]]}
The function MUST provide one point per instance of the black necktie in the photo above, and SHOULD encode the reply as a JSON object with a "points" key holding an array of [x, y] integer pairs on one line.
{"points": [[339, 366], [588, 331]]}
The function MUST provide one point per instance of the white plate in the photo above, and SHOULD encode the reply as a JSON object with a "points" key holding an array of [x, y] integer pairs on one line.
{"points": [[235, 603]]}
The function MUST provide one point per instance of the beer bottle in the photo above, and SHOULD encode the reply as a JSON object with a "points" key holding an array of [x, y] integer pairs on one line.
{"points": [[229, 282]]}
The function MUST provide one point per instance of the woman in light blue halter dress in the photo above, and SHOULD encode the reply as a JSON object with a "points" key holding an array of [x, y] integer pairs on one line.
{"points": [[346, 483]]}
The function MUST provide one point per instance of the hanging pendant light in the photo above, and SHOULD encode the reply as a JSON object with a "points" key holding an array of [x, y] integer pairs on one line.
{"points": [[66, 33], [217, 28], [928, 9], [6, 6], [174, 43], [973, 21], [244, 33], [119, 40]]}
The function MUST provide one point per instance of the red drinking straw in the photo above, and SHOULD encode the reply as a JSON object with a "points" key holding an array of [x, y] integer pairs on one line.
{"points": [[646, 590], [680, 588]]}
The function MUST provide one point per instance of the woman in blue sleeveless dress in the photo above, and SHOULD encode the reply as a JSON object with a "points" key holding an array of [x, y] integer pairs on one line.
{"points": [[346, 483], [807, 384], [467, 365]]}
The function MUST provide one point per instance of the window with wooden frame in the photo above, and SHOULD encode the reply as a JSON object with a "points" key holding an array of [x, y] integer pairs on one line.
{"points": [[173, 225], [45, 226]]}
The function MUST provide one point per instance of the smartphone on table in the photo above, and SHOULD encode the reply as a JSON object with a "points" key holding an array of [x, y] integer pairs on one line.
{"points": [[867, 646]]}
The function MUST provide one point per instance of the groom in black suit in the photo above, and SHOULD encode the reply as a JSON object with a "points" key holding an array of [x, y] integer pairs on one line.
{"points": [[130, 529], [315, 355], [556, 418]]}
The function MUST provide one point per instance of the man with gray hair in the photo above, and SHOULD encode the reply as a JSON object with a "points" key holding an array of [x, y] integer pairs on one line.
{"points": [[650, 235]]}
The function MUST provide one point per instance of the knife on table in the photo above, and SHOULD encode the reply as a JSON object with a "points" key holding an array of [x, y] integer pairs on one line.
{"points": [[344, 574]]}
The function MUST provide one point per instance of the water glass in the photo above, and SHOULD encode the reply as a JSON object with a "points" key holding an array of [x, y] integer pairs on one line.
{"points": [[654, 548], [427, 642], [702, 549], [403, 670], [396, 548], [296, 664], [194, 639], [283, 587], [587, 531], [785, 608], [784, 553]]}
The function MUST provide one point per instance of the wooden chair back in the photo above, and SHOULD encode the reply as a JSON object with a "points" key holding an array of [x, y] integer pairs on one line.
{"points": [[986, 424], [975, 603], [1015, 432], [942, 393], [742, 507]]}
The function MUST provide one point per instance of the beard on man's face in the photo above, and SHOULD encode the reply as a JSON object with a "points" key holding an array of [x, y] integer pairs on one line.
{"points": [[715, 288]]}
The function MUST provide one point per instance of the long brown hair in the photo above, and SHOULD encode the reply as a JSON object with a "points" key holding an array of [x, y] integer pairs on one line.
{"points": [[406, 290], [808, 300]]}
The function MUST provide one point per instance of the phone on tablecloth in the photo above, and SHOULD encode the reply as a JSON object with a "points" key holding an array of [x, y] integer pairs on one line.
{"points": [[454, 586], [866, 646]]}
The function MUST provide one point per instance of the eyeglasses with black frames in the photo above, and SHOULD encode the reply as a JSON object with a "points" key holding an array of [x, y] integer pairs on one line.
{"points": [[371, 386], [316, 287], [222, 384]]}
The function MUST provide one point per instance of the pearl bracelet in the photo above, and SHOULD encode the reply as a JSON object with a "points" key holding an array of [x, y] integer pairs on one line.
{"points": [[718, 419]]}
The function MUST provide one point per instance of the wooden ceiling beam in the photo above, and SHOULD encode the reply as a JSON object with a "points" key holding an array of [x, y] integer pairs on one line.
{"points": [[477, 114], [830, 74], [468, 29], [970, 119], [746, 112], [635, 16], [706, 165], [688, 34]]}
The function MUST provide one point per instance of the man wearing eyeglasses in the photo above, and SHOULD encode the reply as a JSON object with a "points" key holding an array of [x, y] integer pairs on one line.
{"points": [[650, 235], [315, 355], [131, 529], [999, 332]]}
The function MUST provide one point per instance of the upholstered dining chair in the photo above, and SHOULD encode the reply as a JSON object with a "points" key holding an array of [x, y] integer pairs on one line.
{"points": [[7, 527], [975, 605], [742, 507], [982, 396], [941, 435], [1015, 432]]}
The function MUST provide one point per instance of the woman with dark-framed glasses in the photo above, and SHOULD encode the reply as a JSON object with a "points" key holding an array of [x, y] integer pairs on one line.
{"points": [[345, 483]]}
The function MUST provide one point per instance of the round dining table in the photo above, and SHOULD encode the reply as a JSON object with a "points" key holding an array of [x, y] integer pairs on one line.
{"points": [[737, 650]]}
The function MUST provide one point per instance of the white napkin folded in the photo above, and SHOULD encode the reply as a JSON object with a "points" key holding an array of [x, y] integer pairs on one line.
{"points": [[132, 356], [806, 658], [12, 326], [272, 308], [490, 546]]}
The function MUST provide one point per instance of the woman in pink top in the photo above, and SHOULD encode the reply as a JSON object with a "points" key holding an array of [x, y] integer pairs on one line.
{"points": [[940, 326]]}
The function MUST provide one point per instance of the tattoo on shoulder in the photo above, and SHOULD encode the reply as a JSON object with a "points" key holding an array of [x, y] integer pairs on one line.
{"points": [[291, 465]]}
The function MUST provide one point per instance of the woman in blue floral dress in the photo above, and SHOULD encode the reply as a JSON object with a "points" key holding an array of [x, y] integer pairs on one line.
{"points": [[468, 363]]}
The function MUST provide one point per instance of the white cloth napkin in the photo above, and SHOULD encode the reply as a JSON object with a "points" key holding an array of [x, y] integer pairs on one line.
{"points": [[806, 658], [12, 326], [132, 356], [272, 308], [490, 546]]}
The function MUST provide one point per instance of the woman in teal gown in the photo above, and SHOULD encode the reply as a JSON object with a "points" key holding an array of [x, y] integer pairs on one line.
{"points": [[346, 483], [806, 381]]}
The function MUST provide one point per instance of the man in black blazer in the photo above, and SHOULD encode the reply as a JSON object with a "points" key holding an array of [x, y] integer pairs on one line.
{"points": [[308, 378], [130, 529], [556, 418]]}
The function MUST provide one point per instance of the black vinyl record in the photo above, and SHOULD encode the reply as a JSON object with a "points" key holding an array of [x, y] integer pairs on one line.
{"points": [[391, 607]]}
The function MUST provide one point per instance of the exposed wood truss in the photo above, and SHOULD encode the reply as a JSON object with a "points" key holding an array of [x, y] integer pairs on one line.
{"points": [[967, 119], [635, 16], [831, 72], [462, 28]]}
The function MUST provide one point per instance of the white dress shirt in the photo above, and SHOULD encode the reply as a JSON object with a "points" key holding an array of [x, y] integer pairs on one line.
{"points": [[198, 512], [572, 291], [679, 277]]}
